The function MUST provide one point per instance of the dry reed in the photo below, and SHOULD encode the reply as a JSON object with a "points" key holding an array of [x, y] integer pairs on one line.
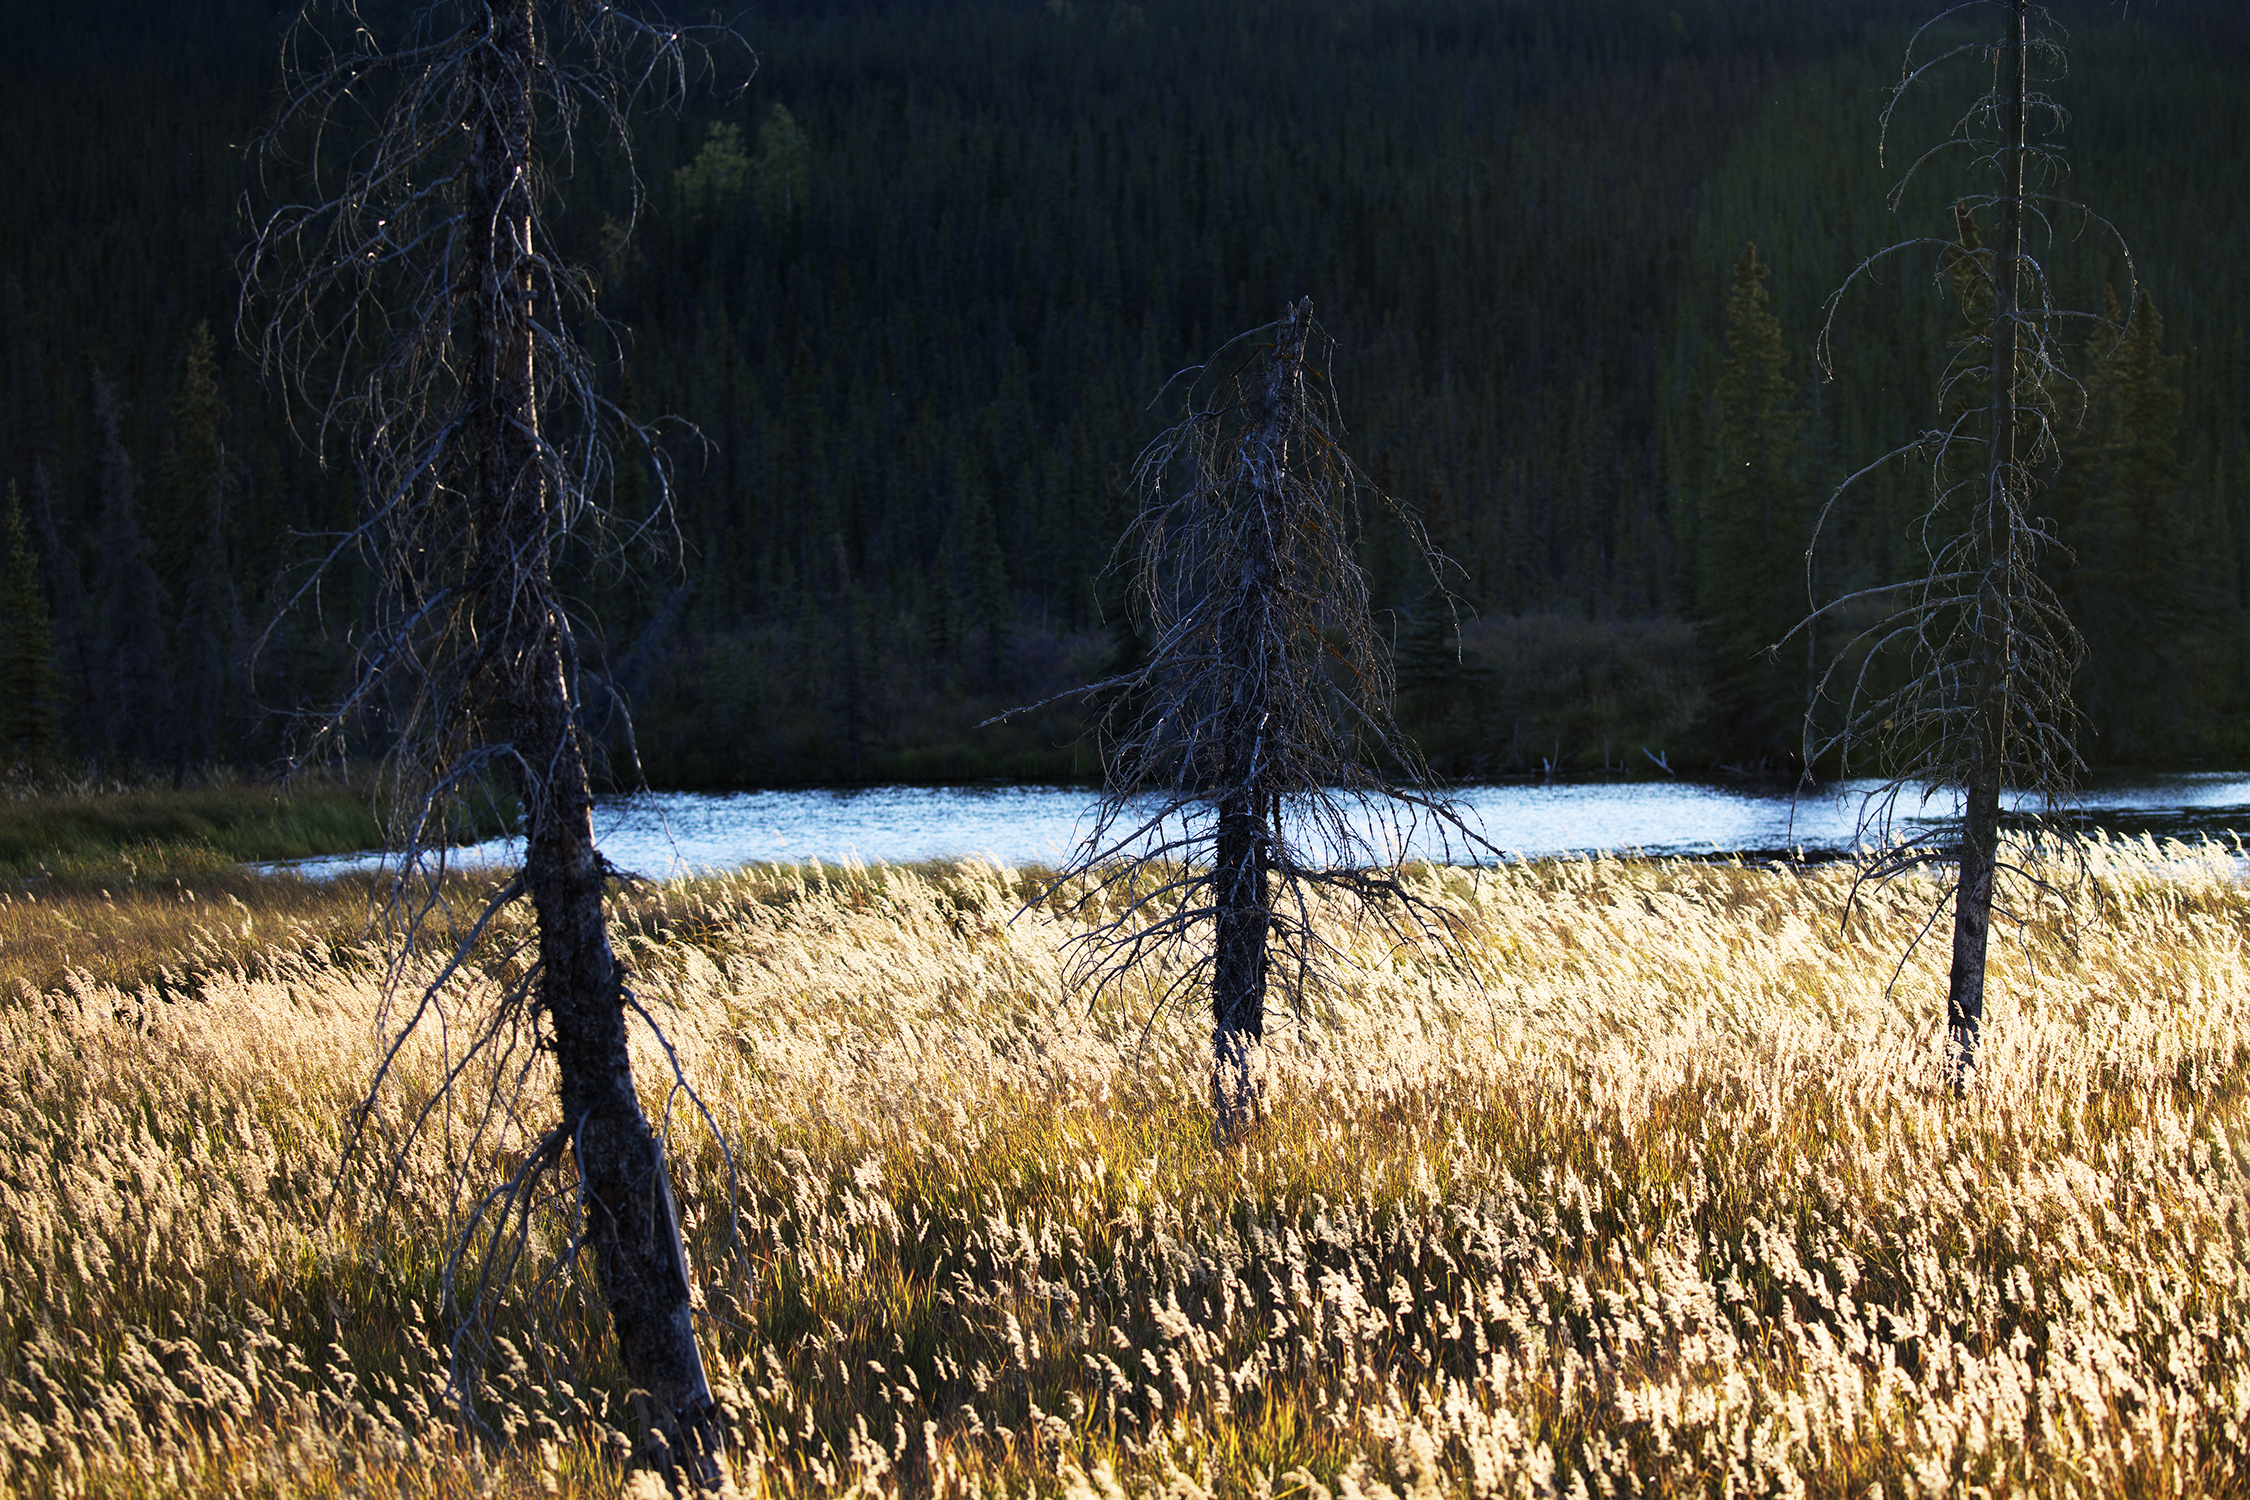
{"points": [[1678, 1201]]}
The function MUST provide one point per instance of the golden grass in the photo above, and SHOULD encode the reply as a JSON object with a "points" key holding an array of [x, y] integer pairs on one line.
{"points": [[138, 884], [1674, 1202], [172, 931]]}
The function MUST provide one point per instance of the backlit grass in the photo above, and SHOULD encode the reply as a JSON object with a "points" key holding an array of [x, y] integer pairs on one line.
{"points": [[143, 883], [1669, 1197]]}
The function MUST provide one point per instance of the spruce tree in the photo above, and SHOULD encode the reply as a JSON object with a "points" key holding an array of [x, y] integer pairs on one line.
{"points": [[194, 561], [978, 576], [67, 612], [206, 646], [194, 459], [132, 677], [2134, 580], [1751, 586], [30, 689]]}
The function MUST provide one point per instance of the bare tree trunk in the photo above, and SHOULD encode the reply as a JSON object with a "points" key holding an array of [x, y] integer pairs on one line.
{"points": [[1972, 927], [1259, 719], [1972, 920], [630, 1222], [1238, 978], [1254, 656]]}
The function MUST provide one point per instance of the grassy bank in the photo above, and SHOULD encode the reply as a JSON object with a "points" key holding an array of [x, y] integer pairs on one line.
{"points": [[143, 883], [74, 831], [1670, 1199]]}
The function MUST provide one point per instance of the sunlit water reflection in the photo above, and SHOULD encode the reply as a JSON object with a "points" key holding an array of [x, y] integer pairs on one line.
{"points": [[671, 833]]}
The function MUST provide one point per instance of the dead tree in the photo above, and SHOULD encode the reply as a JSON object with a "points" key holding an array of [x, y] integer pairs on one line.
{"points": [[1982, 705], [1250, 757], [402, 283]]}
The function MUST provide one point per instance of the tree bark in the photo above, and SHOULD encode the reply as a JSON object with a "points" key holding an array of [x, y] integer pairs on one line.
{"points": [[630, 1221], [1979, 854], [1252, 651], [1972, 928], [1238, 980]]}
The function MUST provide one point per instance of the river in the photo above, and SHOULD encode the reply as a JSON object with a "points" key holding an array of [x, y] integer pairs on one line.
{"points": [[661, 834]]}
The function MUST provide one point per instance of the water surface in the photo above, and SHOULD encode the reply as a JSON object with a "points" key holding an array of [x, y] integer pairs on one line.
{"points": [[671, 833]]}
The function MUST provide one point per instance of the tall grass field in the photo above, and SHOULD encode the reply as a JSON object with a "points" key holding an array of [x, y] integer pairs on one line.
{"points": [[1663, 1192]]}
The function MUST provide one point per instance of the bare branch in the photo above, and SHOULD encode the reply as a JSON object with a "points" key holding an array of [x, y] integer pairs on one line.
{"points": [[402, 285], [1251, 759]]}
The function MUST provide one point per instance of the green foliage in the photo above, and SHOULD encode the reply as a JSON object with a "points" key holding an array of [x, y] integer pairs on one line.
{"points": [[975, 573], [135, 711], [2156, 124], [1557, 692], [781, 175], [194, 464], [153, 828], [195, 562], [1440, 690], [68, 830], [1759, 422], [714, 180]]}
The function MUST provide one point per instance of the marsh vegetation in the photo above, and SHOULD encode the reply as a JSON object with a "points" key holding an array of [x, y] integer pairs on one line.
{"points": [[1673, 1192]]}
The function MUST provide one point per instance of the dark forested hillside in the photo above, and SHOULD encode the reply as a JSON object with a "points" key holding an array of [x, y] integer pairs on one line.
{"points": [[919, 287], [2149, 501]]}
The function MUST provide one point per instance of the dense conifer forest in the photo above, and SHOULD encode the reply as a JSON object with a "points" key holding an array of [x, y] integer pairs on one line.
{"points": [[915, 294]]}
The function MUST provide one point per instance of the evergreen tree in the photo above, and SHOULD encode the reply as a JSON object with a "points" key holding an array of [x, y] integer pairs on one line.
{"points": [[194, 561], [1443, 695], [135, 708], [2136, 582], [206, 647], [977, 575], [193, 463], [853, 679], [20, 379], [1751, 585], [30, 689], [66, 612], [1026, 250]]}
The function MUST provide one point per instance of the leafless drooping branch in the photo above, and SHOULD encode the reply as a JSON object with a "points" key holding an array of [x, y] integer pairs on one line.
{"points": [[1250, 758], [402, 284], [356, 301], [1962, 685]]}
